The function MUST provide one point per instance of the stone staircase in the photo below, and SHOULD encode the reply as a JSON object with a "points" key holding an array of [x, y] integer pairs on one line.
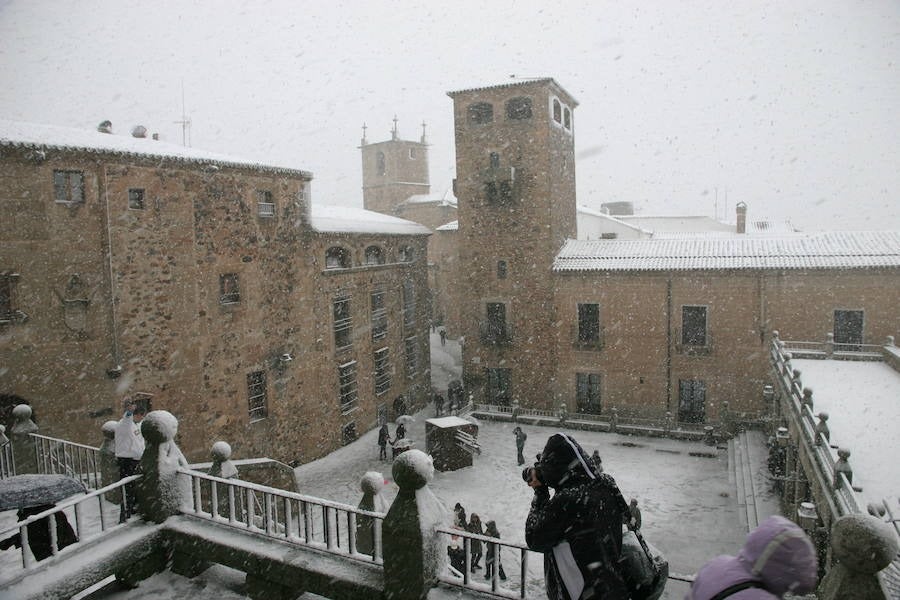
{"points": [[746, 457]]}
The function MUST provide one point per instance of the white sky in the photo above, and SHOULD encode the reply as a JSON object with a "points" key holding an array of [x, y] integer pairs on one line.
{"points": [[790, 106]]}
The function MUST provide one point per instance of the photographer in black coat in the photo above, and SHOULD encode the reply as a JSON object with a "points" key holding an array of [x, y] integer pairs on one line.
{"points": [[579, 529]]}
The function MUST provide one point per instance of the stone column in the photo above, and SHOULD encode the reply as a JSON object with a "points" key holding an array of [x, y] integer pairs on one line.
{"points": [[160, 491], [24, 455], [224, 468], [412, 548], [861, 546], [109, 468]]}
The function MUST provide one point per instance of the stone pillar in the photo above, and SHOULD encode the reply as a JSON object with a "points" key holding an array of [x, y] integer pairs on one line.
{"points": [[829, 344], [726, 420], [371, 485], [24, 455], [413, 554], [109, 468], [563, 414], [667, 426], [614, 420], [861, 546], [160, 491]]}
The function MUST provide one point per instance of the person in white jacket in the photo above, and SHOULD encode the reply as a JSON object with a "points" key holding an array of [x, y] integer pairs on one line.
{"points": [[129, 448]]}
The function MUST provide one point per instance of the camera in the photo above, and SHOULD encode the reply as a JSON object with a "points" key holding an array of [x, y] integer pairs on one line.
{"points": [[526, 472]]}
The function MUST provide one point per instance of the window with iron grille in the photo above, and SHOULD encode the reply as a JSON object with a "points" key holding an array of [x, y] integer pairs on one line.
{"points": [[348, 433], [347, 383], [68, 186], [501, 269], [343, 324], [136, 199], [495, 330], [409, 306], [256, 395], [382, 371], [265, 206], [518, 108], [588, 323], [557, 111], [693, 326], [6, 297], [229, 288], [498, 388], [480, 113], [374, 255], [337, 257], [379, 315], [412, 356], [587, 393]]}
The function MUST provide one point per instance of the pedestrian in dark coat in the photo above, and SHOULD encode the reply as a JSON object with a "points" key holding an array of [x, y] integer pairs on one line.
{"points": [[443, 333], [634, 514], [492, 556], [384, 436], [459, 519], [400, 433], [579, 529], [476, 547], [596, 461], [438, 405], [777, 558], [39, 532], [457, 554], [521, 436]]}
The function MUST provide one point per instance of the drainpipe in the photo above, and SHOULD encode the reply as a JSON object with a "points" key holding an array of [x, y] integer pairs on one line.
{"points": [[116, 368], [669, 344]]}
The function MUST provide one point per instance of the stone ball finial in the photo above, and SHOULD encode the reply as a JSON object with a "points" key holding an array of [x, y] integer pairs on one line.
{"points": [[221, 451], [159, 426], [412, 469], [2, 429], [109, 430], [372, 482], [21, 412], [863, 543], [775, 333], [823, 415], [843, 453]]}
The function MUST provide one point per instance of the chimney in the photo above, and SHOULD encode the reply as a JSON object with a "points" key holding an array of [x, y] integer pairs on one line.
{"points": [[105, 127], [741, 209], [139, 131]]}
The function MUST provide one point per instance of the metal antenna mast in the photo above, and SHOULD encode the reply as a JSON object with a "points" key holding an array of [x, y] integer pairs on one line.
{"points": [[185, 122]]}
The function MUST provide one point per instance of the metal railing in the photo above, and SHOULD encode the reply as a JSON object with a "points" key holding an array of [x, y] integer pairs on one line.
{"points": [[7, 464], [517, 558], [828, 348], [601, 419], [61, 457], [93, 516], [303, 520]]}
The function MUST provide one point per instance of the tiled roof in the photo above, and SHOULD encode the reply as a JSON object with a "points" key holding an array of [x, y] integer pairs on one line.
{"points": [[451, 226], [831, 250], [44, 137], [512, 83]]}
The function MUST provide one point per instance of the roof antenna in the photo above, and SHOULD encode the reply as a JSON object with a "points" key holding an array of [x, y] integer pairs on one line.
{"points": [[185, 122]]}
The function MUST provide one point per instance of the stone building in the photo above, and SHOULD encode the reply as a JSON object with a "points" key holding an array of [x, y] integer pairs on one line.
{"points": [[205, 285], [677, 322]]}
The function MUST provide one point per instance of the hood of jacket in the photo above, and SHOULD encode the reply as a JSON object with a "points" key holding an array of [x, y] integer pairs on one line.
{"points": [[564, 462]]}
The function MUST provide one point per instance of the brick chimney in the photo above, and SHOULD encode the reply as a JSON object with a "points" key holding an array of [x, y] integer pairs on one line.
{"points": [[741, 209]]}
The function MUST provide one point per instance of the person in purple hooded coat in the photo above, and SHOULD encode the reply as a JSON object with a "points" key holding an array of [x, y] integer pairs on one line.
{"points": [[777, 557]]}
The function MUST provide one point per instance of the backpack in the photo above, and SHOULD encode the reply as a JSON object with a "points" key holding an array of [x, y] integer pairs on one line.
{"points": [[644, 568]]}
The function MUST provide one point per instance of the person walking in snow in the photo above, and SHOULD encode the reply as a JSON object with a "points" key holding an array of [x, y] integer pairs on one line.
{"points": [[129, 448], [579, 528], [492, 556], [443, 334], [384, 436], [777, 558], [475, 546], [596, 461], [634, 515], [521, 436], [400, 433], [459, 516], [438, 404]]}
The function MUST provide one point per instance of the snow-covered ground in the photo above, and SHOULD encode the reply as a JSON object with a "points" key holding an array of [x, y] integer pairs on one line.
{"points": [[862, 400], [685, 490]]}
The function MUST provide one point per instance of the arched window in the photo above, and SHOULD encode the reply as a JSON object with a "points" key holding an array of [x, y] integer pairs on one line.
{"points": [[519, 108], [557, 111], [374, 255], [406, 254], [480, 113], [379, 163], [337, 257], [567, 118]]}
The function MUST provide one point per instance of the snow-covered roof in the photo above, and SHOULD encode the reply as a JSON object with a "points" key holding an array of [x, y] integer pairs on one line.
{"points": [[41, 137], [346, 219], [451, 226], [828, 250], [513, 83], [586, 211], [445, 198], [657, 223], [860, 398]]}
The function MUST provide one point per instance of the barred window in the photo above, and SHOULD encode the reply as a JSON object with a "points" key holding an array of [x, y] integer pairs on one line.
{"points": [[229, 288], [587, 393], [498, 386], [337, 258], [265, 206], [379, 315], [406, 254], [518, 108], [588, 323], [256, 395], [136, 199], [382, 371], [347, 383], [68, 186], [693, 325], [412, 356], [409, 306], [343, 324], [374, 255], [480, 113], [6, 292]]}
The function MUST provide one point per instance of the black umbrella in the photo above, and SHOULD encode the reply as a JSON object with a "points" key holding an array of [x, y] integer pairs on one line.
{"points": [[23, 491]]}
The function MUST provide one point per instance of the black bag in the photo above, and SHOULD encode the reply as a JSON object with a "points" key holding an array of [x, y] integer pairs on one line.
{"points": [[644, 568]]}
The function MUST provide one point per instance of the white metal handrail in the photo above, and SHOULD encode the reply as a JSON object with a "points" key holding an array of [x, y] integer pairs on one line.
{"points": [[62, 457]]}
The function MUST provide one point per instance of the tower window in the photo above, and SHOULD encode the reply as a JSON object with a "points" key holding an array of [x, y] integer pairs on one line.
{"points": [[567, 118], [68, 186], [343, 323], [412, 154], [374, 255], [265, 206], [229, 289], [380, 164], [136, 199], [495, 160], [481, 113], [406, 254], [557, 111], [693, 326], [258, 405], [501, 269], [518, 109], [337, 258]]}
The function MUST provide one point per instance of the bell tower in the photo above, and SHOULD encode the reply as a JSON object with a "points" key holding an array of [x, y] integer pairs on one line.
{"points": [[515, 186], [393, 171]]}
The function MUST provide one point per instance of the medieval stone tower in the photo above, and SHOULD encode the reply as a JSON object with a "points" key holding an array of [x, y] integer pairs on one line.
{"points": [[515, 186], [393, 171]]}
